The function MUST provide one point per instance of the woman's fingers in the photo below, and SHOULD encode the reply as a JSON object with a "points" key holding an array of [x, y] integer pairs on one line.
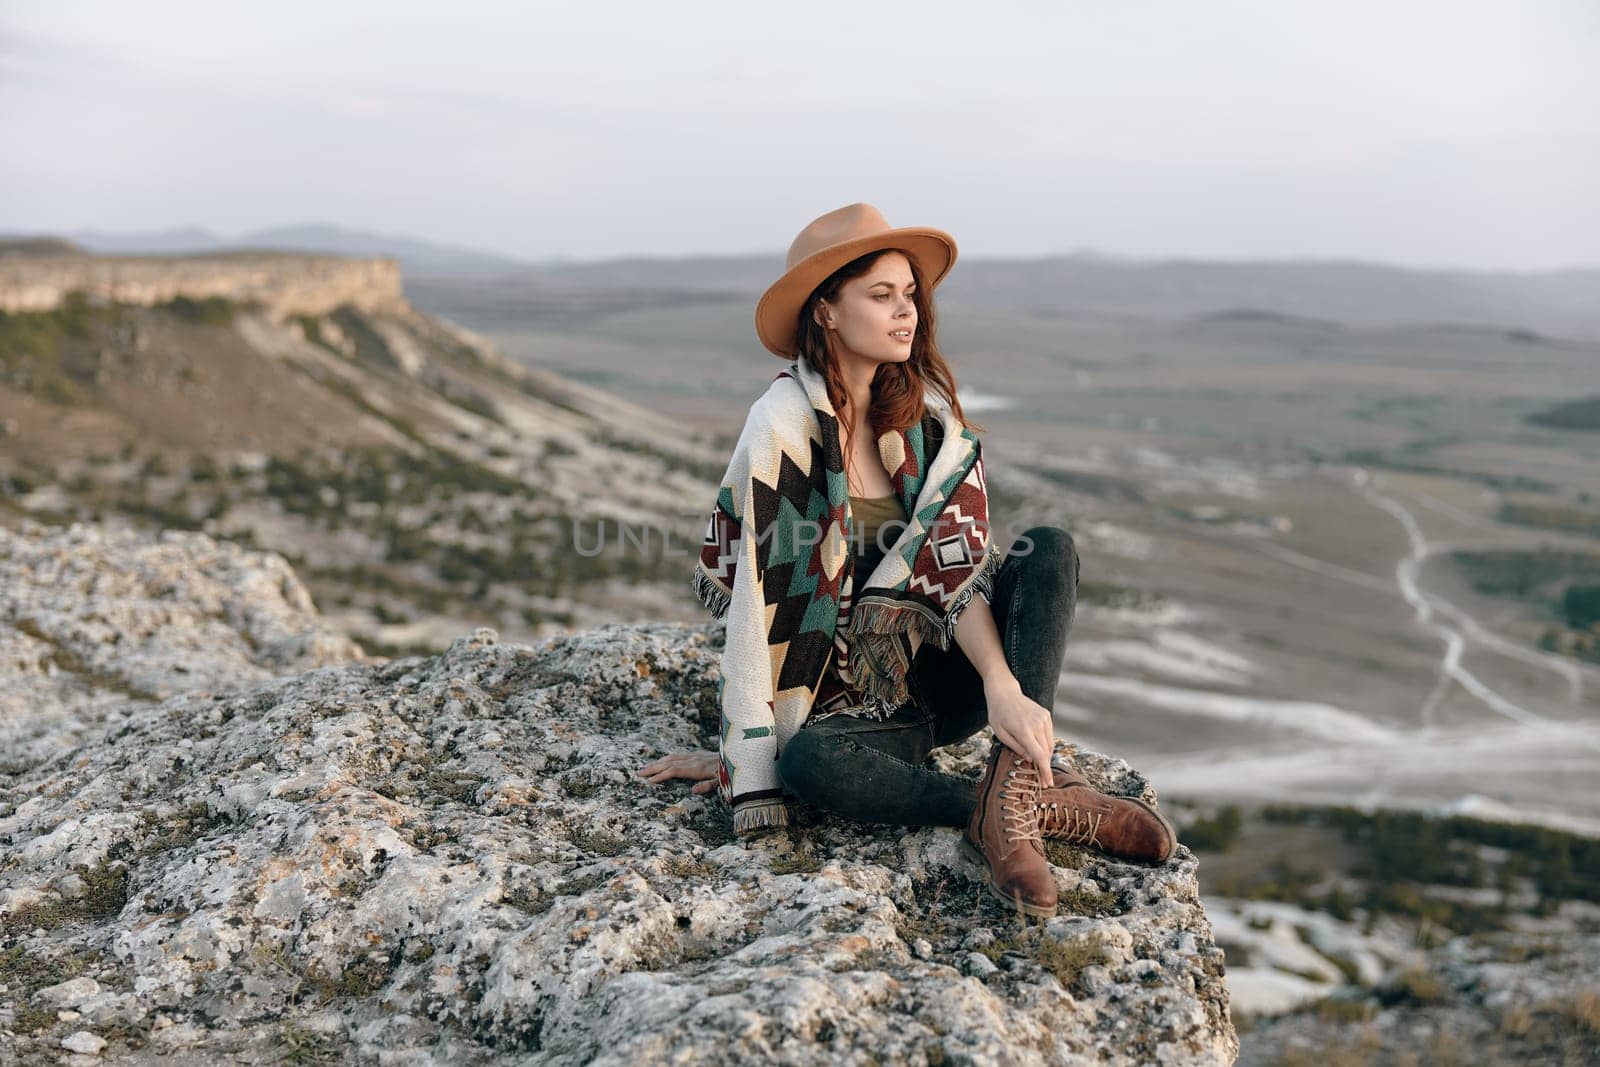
{"points": [[664, 765], [665, 761], [1035, 746], [1041, 741], [700, 766], [705, 787], [1041, 760], [657, 773], [1040, 744]]}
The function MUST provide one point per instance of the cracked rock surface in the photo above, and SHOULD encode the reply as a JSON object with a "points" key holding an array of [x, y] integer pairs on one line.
{"points": [[451, 859]]}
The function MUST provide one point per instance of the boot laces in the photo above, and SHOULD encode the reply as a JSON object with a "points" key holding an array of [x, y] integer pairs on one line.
{"points": [[1078, 825], [1019, 799]]}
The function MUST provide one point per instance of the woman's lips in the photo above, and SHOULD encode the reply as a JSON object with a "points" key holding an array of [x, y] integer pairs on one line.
{"points": [[903, 340]]}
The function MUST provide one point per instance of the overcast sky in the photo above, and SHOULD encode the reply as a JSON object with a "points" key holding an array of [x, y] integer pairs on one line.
{"points": [[1454, 133]]}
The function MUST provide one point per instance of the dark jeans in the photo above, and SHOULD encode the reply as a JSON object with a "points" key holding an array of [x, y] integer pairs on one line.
{"points": [[872, 770]]}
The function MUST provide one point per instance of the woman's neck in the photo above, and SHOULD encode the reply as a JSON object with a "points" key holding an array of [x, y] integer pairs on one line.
{"points": [[858, 374]]}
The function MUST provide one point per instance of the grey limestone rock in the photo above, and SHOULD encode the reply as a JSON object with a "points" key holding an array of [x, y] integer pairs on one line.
{"points": [[450, 859], [95, 621]]}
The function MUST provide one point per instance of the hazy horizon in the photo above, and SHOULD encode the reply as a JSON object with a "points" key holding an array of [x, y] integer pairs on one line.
{"points": [[692, 254], [1433, 136]]}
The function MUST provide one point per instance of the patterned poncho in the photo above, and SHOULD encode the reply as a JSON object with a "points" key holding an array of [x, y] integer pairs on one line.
{"points": [[776, 563]]}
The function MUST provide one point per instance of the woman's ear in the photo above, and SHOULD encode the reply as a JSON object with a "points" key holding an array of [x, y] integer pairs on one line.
{"points": [[820, 315]]}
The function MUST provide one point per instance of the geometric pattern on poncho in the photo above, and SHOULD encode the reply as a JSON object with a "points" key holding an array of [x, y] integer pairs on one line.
{"points": [[783, 514]]}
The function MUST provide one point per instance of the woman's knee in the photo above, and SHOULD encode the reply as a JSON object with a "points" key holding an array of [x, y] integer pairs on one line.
{"points": [[1049, 547], [803, 763]]}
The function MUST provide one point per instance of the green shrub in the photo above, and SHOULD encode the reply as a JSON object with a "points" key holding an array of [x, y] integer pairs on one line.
{"points": [[1414, 986], [1552, 517], [1580, 606], [311, 328], [1573, 415], [1405, 851], [207, 311], [35, 354], [1215, 834], [1522, 574], [58, 390]]}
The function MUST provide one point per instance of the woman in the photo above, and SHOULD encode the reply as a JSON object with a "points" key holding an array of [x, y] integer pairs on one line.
{"points": [[849, 537]]}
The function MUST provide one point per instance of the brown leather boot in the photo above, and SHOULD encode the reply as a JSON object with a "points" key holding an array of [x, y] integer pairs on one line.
{"points": [[1125, 827], [1003, 834]]}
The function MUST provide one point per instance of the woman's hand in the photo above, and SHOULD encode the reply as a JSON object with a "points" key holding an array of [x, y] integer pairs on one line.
{"points": [[702, 767], [1021, 723]]}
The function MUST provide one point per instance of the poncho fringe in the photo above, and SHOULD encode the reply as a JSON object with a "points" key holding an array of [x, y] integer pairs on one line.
{"points": [[759, 814], [709, 593], [876, 625]]}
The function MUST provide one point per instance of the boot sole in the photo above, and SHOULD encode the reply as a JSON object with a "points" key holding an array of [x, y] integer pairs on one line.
{"points": [[976, 857]]}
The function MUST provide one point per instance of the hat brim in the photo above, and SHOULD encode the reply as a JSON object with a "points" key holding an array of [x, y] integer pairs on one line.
{"points": [[778, 310]]}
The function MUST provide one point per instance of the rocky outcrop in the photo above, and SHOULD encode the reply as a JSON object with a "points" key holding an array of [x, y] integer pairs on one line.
{"points": [[288, 283], [450, 858], [96, 622], [1528, 995]]}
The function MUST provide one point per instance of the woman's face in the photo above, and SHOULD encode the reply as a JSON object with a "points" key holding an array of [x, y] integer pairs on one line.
{"points": [[874, 316]]}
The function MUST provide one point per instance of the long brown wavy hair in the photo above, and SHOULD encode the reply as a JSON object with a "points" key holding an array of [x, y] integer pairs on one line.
{"points": [[897, 388]]}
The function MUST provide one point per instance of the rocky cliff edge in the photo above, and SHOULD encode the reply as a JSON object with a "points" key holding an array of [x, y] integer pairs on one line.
{"points": [[450, 859]]}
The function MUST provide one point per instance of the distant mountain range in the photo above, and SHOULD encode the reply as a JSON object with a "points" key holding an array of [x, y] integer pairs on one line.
{"points": [[415, 256], [1345, 291]]}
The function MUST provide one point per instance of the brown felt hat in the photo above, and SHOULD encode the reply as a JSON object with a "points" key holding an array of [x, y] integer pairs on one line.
{"points": [[827, 244]]}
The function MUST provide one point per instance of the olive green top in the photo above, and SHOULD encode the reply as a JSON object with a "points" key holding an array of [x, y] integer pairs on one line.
{"points": [[869, 513]]}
